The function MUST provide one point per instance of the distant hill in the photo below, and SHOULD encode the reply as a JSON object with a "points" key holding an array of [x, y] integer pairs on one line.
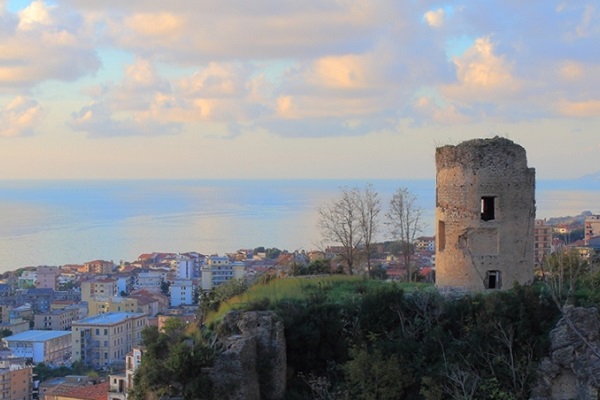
{"points": [[572, 221], [593, 176]]}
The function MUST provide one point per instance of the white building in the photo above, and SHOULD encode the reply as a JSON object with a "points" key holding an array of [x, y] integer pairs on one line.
{"points": [[150, 281], [182, 292], [50, 347], [185, 267], [218, 270]]}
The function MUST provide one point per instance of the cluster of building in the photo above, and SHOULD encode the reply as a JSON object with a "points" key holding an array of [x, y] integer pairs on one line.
{"points": [[94, 313]]}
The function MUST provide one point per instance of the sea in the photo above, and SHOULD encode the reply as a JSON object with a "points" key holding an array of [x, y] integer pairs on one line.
{"points": [[58, 222]]}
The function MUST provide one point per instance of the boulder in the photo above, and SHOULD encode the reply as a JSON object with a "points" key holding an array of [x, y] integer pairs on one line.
{"points": [[572, 370], [251, 359]]}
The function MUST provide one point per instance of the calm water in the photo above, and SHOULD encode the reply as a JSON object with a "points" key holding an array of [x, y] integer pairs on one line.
{"points": [[63, 222]]}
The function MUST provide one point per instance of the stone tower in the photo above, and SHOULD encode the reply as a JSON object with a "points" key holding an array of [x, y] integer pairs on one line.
{"points": [[485, 213]]}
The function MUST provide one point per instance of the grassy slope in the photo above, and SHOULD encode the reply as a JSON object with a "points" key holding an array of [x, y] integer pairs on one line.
{"points": [[338, 288]]}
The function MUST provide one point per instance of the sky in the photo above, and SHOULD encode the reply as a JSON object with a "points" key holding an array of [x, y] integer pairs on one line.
{"points": [[260, 89]]}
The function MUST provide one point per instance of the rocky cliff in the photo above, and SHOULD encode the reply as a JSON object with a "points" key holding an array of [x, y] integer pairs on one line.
{"points": [[251, 360], [572, 371]]}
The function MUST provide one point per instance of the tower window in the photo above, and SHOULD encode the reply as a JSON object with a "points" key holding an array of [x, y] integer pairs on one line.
{"points": [[492, 280], [441, 236], [488, 208]]}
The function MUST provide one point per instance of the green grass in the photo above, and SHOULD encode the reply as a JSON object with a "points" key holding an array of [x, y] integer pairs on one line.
{"points": [[336, 288]]}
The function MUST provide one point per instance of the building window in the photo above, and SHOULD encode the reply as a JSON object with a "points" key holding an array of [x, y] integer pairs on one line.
{"points": [[488, 208], [492, 280]]}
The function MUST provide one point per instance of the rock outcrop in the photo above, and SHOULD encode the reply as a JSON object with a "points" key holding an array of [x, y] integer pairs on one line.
{"points": [[573, 369], [251, 360]]}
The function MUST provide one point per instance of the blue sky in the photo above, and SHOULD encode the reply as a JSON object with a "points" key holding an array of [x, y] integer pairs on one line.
{"points": [[287, 89]]}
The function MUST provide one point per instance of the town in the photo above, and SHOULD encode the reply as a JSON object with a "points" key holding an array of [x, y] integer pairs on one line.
{"points": [[94, 313]]}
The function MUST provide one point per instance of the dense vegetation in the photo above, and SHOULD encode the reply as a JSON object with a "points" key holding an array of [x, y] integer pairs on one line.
{"points": [[388, 344], [351, 338]]}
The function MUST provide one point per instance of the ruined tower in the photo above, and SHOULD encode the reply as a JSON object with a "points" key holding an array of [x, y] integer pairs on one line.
{"points": [[485, 212]]}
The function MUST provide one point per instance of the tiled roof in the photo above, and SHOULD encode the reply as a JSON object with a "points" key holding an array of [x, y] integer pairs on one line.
{"points": [[87, 392]]}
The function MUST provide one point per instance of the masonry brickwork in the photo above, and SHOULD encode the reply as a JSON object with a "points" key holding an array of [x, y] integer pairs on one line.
{"points": [[485, 213]]}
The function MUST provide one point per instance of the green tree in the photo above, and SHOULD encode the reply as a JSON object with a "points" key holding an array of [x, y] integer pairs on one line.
{"points": [[172, 365], [375, 376]]}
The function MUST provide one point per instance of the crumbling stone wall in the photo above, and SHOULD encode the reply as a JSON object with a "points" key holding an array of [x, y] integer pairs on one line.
{"points": [[251, 360], [485, 212]]}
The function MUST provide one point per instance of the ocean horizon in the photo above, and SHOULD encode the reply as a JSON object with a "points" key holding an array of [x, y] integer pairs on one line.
{"points": [[58, 222]]}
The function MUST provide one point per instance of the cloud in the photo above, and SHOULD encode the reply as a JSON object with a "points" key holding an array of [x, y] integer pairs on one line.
{"points": [[99, 121], [42, 43], [20, 117], [481, 73], [445, 115], [35, 15], [347, 65], [217, 93], [207, 31], [580, 109], [435, 18]]}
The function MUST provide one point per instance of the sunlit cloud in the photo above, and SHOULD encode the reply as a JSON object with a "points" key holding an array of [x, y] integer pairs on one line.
{"points": [[435, 18], [35, 15], [482, 75], [42, 43], [571, 70], [20, 117], [590, 108]]}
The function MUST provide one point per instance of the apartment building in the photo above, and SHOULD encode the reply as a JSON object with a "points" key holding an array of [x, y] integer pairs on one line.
{"points": [[105, 339], [591, 228], [56, 320], [46, 277], [16, 379], [542, 242], [98, 289], [50, 347], [140, 301], [218, 270], [425, 243], [182, 292], [112, 304], [99, 267], [150, 280]]}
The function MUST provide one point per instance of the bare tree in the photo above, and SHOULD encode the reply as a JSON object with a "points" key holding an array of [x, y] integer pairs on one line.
{"points": [[404, 217], [339, 222], [369, 208]]}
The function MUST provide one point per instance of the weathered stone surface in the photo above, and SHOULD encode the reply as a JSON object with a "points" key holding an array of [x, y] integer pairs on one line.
{"points": [[485, 212], [573, 369], [251, 364]]}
